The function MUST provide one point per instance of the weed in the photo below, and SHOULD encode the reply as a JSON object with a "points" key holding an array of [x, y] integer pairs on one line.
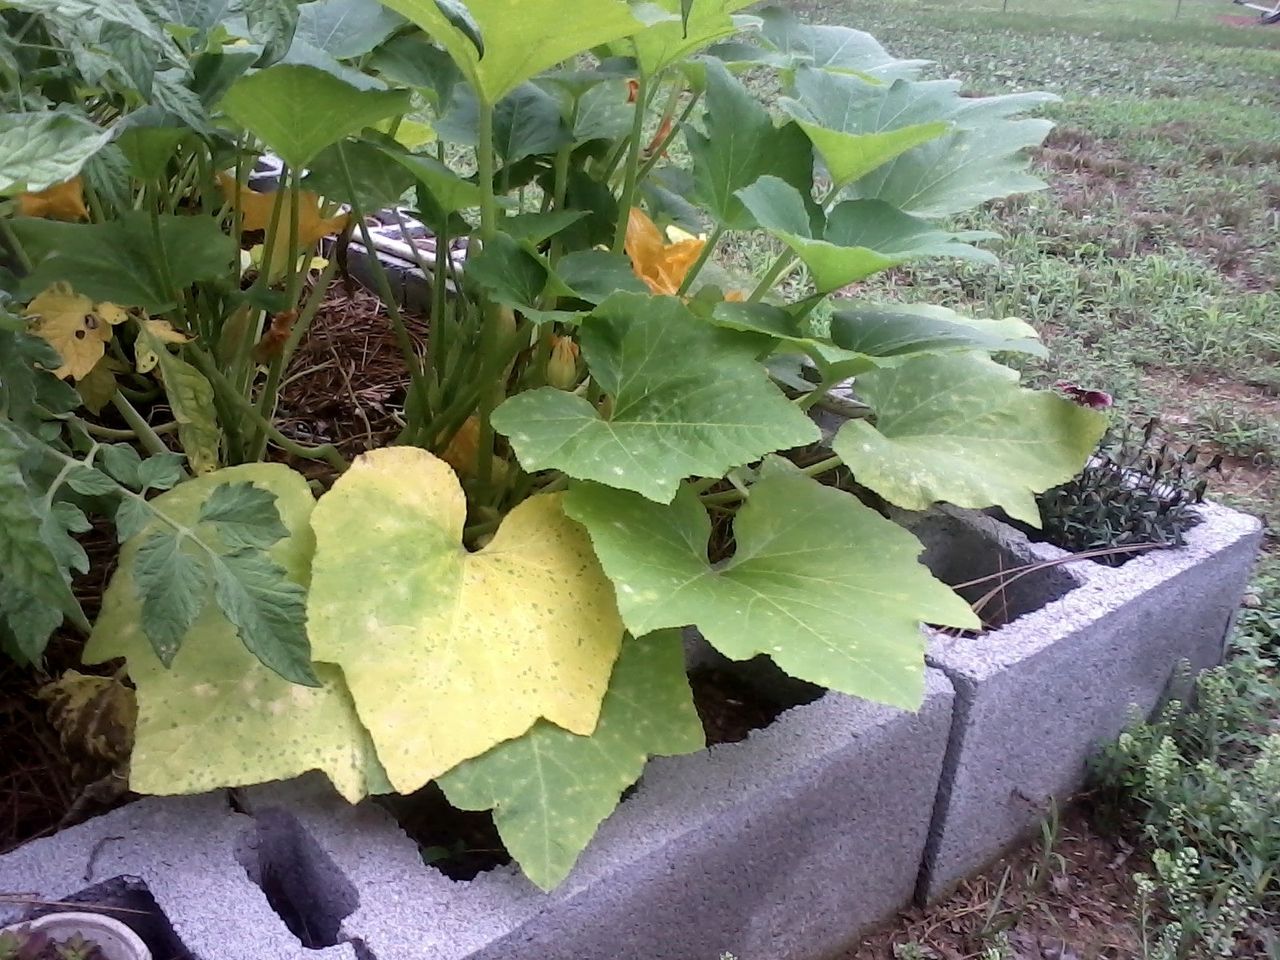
{"points": [[1204, 784]]}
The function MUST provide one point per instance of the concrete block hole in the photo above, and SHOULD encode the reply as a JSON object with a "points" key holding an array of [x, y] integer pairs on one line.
{"points": [[961, 550], [128, 900], [300, 881]]}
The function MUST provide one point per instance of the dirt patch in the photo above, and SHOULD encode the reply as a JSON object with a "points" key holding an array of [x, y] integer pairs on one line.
{"points": [[1236, 20], [1071, 902], [1182, 402]]}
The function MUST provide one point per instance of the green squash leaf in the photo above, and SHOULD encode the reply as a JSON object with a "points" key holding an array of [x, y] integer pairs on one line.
{"points": [[838, 49], [550, 789], [783, 326], [507, 272], [959, 170], [379, 179], [520, 38], [689, 400], [413, 60], [674, 37], [217, 717], [595, 275], [39, 150], [857, 125], [299, 110], [449, 653], [893, 330], [271, 23], [959, 429], [856, 239], [824, 585], [741, 144], [122, 260]]}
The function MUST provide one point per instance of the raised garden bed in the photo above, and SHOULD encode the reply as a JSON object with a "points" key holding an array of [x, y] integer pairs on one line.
{"points": [[786, 844]]}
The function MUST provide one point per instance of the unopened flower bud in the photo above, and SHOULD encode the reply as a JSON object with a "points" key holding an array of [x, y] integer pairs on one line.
{"points": [[562, 366]]}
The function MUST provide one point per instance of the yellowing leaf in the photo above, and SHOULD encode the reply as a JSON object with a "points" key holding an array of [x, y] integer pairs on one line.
{"points": [[662, 266], [94, 716], [189, 394], [256, 210], [448, 653], [72, 325], [62, 201], [145, 353], [217, 717]]}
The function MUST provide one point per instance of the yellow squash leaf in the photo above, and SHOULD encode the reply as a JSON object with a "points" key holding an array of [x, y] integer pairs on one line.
{"points": [[448, 653], [661, 265], [71, 324], [62, 201]]}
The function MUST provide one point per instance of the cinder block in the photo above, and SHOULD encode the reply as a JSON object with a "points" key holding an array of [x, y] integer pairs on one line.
{"points": [[782, 847], [1086, 645], [180, 852]]}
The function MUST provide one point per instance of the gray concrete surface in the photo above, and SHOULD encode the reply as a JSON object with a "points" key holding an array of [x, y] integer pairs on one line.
{"points": [[783, 846], [180, 850], [1088, 645]]}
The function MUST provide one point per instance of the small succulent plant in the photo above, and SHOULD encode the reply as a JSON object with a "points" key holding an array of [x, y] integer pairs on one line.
{"points": [[27, 944], [1138, 489]]}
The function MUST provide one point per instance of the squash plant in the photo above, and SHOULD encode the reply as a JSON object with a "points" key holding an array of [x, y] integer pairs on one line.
{"points": [[607, 437]]}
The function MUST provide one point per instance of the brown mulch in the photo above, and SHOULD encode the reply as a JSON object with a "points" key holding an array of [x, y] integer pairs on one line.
{"points": [[1071, 902], [347, 383], [37, 783]]}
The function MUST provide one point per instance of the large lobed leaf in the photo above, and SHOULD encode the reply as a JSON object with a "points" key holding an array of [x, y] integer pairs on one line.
{"points": [[740, 145], [689, 399], [128, 260], [959, 428], [449, 653], [298, 110], [832, 48], [518, 39], [550, 789], [959, 170], [685, 29], [824, 585], [856, 239], [216, 716]]}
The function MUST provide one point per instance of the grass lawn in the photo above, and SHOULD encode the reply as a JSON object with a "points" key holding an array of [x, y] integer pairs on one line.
{"points": [[1150, 267]]}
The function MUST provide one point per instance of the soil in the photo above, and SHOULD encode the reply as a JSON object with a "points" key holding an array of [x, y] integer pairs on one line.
{"points": [[728, 707]]}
